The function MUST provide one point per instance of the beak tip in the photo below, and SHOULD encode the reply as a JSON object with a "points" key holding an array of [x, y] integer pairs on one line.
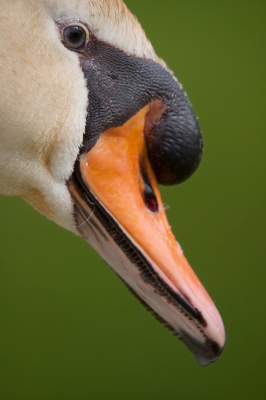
{"points": [[205, 352], [214, 353]]}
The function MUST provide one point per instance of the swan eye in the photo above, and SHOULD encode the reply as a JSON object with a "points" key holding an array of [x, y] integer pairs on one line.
{"points": [[75, 37]]}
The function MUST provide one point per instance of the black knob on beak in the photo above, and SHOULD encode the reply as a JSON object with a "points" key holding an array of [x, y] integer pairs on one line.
{"points": [[119, 85]]}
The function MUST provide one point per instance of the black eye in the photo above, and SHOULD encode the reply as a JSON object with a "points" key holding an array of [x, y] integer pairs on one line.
{"points": [[75, 37]]}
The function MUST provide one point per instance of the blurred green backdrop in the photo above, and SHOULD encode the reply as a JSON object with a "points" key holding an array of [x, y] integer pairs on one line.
{"points": [[69, 328]]}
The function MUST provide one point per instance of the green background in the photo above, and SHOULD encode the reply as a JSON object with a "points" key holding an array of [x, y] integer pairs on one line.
{"points": [[69, 328]]}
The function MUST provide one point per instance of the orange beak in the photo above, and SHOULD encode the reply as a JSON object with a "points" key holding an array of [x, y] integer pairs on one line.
{"points": [[121, 206]]}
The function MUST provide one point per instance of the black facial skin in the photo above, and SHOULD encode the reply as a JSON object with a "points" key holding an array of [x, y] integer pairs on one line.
{"points": [[119, 86]]}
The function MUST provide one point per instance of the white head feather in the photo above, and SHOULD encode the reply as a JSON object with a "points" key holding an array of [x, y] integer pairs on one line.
{"points": [[44, 96]]}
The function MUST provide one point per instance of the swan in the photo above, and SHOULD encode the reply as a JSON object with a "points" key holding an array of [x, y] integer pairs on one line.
{"points": [[91, 120]]}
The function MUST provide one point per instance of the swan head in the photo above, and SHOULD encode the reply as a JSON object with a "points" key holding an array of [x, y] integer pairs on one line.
{"points": [[91, 120]]}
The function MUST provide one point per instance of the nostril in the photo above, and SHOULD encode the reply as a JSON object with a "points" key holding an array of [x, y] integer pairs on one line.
{"points": [[147, 191], [151, 202]]}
